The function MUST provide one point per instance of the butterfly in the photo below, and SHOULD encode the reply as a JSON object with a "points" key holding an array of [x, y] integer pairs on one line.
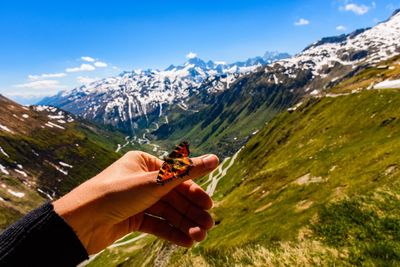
{"points": [[176, 165]]}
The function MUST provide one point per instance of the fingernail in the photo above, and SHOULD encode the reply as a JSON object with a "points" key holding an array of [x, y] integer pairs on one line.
{"points": [[210, 162]]}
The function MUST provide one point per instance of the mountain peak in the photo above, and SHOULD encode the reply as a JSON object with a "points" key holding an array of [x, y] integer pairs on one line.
{"points": [[196, 61], [125, 99], [395, 12]]}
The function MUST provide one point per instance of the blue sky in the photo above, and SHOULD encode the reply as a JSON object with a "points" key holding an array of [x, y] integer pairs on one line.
{"points": [[51, 45]]}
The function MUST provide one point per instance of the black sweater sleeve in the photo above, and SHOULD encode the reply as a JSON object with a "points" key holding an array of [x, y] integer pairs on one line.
{"points": [[41, 238]]}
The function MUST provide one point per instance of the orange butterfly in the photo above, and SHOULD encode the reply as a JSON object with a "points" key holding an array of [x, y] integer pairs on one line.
{"points": [[176, 165]]}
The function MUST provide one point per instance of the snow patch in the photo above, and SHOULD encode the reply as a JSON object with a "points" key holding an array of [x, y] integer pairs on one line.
{"points": [[5, 128], [65, 164], [51, 125], [61, 170], [388, 84], [3, 152], [4, 170], [15, 193], [21, 172], [44, 193]]}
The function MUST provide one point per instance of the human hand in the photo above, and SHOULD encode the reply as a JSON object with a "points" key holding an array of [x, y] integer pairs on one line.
{"points": [[125, 198]]}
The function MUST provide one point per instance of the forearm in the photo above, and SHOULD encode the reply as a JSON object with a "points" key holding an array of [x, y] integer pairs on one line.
{"points": [[41, 238]]}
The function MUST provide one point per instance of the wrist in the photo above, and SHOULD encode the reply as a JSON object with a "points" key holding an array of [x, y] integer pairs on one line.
{"points": [[76, 208]]}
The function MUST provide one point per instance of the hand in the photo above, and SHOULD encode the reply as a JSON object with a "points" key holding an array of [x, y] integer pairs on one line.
{"points": [[125, 198]]}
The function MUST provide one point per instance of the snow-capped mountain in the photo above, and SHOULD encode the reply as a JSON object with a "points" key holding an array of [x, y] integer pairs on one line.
{"points": [[228, 119], [361, 48], [120, 100], [138, 98]]}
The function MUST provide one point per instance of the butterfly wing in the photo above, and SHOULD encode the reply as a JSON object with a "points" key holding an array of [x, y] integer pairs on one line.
{"points": [[181, 151], [166, 174], [176, 165]]}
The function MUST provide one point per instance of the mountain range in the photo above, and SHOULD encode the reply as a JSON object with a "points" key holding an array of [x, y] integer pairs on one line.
{"points": [[129, 101], [211, 100], [309, 147]]}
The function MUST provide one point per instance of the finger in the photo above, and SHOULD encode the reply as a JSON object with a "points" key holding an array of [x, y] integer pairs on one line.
{"points": [[139, 160], [188, 209], [196, 194], [152, 163], [201, 166], [177, 219], [162, 229]]}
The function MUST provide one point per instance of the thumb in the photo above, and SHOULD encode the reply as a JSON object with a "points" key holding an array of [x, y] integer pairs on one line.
{"points": [[200, 167]]}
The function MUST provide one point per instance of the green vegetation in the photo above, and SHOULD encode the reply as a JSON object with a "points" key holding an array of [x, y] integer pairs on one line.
{"points": [[370, 76], [367, 226], [317, 186], [230, 117], [75, 147], [13, 207], [139, 253], [330, 149], [35, 156]]}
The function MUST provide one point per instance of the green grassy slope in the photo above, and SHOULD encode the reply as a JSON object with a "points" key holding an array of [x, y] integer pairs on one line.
{"points": [[16, 199], [317, 186], [343, 150], [33, 152], [367, 77], [224, 121]]}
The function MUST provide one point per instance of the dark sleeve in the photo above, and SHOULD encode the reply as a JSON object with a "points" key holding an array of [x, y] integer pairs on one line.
{"points": [[41, 238]]}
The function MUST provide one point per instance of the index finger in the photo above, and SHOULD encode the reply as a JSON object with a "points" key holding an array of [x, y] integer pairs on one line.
{"points": [[201, 166], [193, 192]]}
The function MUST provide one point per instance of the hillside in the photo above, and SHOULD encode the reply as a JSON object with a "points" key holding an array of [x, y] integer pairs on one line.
{"points": [[311, 147], [44, 153], [224, 120], [220, 106], [332, 163], [318, 185]]}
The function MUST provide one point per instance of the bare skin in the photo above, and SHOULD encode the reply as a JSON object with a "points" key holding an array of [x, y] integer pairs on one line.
{"points": [[125, 198]]}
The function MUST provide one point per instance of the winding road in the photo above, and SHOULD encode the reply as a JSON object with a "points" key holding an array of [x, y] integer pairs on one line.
{"points": [[219, 173]]}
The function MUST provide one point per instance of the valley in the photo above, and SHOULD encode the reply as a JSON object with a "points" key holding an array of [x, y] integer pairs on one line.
{"points": [[45, 152], [309, 147]]}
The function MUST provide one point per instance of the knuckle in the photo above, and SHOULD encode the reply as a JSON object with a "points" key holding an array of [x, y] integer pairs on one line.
{"points": [[132, 153]]}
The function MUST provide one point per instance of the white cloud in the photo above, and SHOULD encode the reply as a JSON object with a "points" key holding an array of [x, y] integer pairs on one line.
{"points": [[41, 84], [191, 55], [46, 75], [86, 80], [341, 28], [35, 94], [100, 64], [82, 67], [356, 9], [302, 22], [88, 59]]}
